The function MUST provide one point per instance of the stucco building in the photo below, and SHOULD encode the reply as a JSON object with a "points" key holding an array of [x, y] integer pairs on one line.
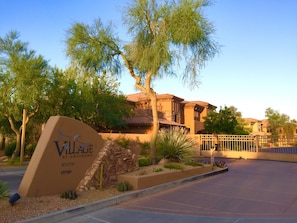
{"points": [[172, 111], [262, 127]]}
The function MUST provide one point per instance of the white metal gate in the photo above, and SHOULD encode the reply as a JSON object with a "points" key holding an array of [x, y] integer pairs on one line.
{"points": [[227, 142]]}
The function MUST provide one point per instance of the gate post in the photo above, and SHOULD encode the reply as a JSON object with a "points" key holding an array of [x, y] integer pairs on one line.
{"points": [[257, 144]]}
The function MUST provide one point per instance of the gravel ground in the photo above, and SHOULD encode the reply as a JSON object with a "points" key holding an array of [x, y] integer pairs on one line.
{"points": [[28, 207]]}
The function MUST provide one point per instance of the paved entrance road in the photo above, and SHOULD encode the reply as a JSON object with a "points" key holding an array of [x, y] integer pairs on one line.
{"points": [[251, 191], [12, 176]]}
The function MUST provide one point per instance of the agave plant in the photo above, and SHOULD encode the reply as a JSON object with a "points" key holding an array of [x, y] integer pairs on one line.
{"points": [[3, 190], [173, 144]]}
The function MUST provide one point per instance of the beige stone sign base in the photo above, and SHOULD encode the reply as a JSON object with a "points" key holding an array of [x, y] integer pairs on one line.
{"points": [[65, 150]]}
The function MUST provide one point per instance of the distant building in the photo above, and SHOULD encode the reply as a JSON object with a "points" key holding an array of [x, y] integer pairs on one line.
{"points": [[172, 111], [262, 127], [175, 111], [257, 127]]}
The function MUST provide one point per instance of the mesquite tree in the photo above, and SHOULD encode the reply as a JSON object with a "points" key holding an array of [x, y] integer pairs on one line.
{"points": [[23, 80], [162, 33]]}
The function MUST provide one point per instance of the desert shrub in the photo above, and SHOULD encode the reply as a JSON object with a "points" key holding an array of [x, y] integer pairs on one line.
{"points": [[71, 195], [156, 170], [220, 164], [3, 190], [30, 149], [10, 149], [191, 162], [173, 144], [173, 166], [108, 138], [14, 162], [124, 186], [145, 149], [123, 142], [144, 161]]}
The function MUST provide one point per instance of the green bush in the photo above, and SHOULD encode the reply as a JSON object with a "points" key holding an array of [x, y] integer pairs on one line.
{"points": [[156, 170], [30, 149], [173, 166], [145, 149], [14, 162], [191, 162], [123, 142], [3, 190], [124, 186], [173, 144], [144, 161], [10, 149], [71, 195]]}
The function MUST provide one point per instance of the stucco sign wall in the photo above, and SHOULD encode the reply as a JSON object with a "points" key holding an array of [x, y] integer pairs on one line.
{"points": [[65, 150]]}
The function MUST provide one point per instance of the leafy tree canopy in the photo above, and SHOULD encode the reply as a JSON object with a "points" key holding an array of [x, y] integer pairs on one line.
{"points": [[23, 78], [31, 90], [85, 96], [276, 121], [162, 34], [227, 121]]}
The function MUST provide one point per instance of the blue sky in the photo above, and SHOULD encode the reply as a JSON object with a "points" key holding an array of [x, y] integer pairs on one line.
{"points": [[256, 69]]}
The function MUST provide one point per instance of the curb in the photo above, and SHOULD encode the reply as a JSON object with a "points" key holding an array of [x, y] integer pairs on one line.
{"points": [[94, 206]]}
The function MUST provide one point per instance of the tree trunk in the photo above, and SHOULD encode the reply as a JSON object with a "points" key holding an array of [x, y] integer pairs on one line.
{"points": [[3, 139], [18, 138], [153, 97], [23, 136], [18, 146], [18, 132]]}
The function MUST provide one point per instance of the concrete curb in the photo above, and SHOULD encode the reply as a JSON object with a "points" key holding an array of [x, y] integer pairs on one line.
{"points": [[86, 208]]}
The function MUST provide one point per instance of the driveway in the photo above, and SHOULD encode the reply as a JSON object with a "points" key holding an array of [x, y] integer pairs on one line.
{"points": [[251, 191]]}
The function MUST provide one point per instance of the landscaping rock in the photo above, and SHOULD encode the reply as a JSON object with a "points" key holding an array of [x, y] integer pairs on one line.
{"points": [[115, 160]]}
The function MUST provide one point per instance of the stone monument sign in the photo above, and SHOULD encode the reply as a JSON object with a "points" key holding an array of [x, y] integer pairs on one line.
{"points": [[65, 150]]}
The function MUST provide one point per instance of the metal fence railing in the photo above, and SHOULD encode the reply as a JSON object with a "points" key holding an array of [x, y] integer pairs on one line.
{"points": [[247, 143], [227, 142], [269, 141]]}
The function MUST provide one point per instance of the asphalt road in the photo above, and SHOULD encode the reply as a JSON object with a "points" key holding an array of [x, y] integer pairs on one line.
{"points": [[251, 191], [12, 176]]}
